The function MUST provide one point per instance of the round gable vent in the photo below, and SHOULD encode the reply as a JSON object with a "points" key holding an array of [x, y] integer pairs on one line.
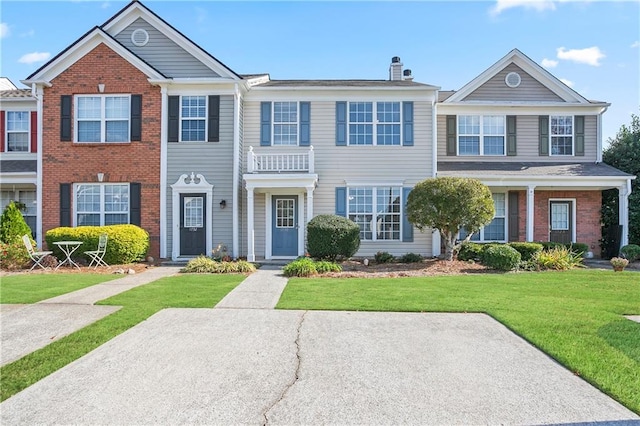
{"points": [[140, 37], [513, 79]]}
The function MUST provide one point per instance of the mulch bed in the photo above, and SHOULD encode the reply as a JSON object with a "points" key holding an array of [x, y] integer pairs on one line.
{"points": [[428, 267]]}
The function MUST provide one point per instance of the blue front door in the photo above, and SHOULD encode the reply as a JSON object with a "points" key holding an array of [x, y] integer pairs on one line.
{"points": [[285, 225]]}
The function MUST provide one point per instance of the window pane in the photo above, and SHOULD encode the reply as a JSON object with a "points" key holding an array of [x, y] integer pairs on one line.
{"points": [[469, 145], [28, 198], [117, 107], [193, 107], [360, 134], [495, 230], [88, 131], [18, 121], [88, 198], [493, 125], [493, 145], [116, 219], [285, 213], [361, 112], [116, 198], [388, 213], [285, 112], [88, 219], [469, 124], [360, 207], [117, 131], [463, 234], [561, 135], [388, 112], [561, 145], [17, 142], [388, 134], [193, 212], [499, 204], [193, 130], [560, 217], [285, 134], [89, 107]]}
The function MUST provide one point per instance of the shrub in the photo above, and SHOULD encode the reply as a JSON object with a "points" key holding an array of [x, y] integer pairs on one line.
{"points": [[550, 245], [303, 267], [411, 258], [206, 265], [13, 255], [12, 224], [501, 257], [631, 252], [324, 266], [201, 265], [126, 243], [619, 263], [560, 258], [383, 257], [244, 267], [579, 248], [332, 236], [470, 251], [526, 250]]}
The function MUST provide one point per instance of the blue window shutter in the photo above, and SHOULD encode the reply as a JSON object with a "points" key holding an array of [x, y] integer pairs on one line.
{"points": [[407, 227], [265, 123], [341, 123], [305, 118], [341, 201], [407, 123]]}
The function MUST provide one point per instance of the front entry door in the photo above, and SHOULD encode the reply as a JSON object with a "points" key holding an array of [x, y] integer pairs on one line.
{"points": [[193, 240], [285, 226], [561, 221]]}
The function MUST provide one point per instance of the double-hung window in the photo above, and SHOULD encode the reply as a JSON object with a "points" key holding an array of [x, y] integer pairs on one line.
{"points": [[496, 230], [377, 211], [193, 117], [385, 130], [561, 134], [101, 204], [285, 123], [18, 131], [104, 118], [481, 135]]}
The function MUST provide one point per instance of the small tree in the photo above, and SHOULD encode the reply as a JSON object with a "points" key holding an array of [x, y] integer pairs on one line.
{"points": [[12, 224], [449, 204]]}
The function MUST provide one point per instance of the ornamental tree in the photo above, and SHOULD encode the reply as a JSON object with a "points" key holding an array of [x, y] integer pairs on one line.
{"points": [[12, 224], [449, 204]]}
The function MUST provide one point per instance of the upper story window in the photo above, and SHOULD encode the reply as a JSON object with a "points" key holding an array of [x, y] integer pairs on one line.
{"points": [[285, 123], [496, 230], [377, 211], [386, 130], [193, 116], [104, 118], [101, 204], [481, 135], [561, 132], [18, 131]]}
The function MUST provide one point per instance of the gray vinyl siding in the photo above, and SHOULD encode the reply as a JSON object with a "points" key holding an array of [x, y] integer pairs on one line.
{"points": [[529, 89], [527, 142], [336, 164], [163, 54], [214, 160]]}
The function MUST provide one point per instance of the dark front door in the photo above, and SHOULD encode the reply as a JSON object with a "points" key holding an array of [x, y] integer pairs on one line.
{"points": [[561, 221], [285, 226], [193, 239]]}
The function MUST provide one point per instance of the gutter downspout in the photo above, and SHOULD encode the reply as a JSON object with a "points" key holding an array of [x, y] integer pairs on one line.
{"points": [[434, 135], [599, 136], [164, 106], [37, 92], [236, 173]]}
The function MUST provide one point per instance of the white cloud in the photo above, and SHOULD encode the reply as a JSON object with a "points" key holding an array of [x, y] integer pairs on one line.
{"points": [[4, 30], [538, 5], [34, 57], [635, 44], [590, 55], [567, 82], [549, 63], [105, 5]]}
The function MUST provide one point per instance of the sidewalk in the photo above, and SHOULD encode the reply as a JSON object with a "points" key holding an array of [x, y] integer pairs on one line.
{"points": [[261, 290]]}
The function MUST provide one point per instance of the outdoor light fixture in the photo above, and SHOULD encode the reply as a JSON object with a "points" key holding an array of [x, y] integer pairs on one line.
{"points": [[223, 204], [100, 177], [101, 87]]}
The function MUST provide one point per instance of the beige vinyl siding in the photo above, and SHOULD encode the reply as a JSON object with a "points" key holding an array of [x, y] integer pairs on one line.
{"points": [[163, 54], [337, 164], [529, 89], [214, 160], [527, 142]]}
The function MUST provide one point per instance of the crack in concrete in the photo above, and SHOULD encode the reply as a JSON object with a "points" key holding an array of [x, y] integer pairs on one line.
{"points": [[286, 389]]}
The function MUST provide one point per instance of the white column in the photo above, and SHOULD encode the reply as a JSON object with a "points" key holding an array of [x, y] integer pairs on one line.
{"points": [[435, 243], [164, 108], [251, 256], [530, 211], [39, 92], [235, 197], [309, 203], [623, 214]]}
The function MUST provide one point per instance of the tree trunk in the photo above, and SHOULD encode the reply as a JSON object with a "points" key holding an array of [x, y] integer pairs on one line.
{"points": [[449, 244]]}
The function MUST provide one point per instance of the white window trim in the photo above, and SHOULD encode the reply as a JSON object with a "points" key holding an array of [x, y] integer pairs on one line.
{"points": [[374, 122], [573, 216], [482, 135], [205, 118], [480, 233], [6, 132], [103, 119], [374, 213], [273, 122], [102, 211], [573, 136]]}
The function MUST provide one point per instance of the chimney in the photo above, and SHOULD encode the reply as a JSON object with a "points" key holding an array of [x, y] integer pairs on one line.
{"points": [[406, 75], [395, 70]]}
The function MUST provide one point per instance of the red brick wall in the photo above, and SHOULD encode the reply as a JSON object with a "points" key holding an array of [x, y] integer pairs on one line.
{"points": [[67, 162]]}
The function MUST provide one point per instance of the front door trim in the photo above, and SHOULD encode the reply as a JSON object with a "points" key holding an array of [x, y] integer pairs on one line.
{"points": [[573, 216], [269, 221], [190, 184]]}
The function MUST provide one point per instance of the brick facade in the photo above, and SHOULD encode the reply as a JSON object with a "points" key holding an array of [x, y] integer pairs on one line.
{"points": [[69, 162]]}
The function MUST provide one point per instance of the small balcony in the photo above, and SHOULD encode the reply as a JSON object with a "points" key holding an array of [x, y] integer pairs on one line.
{"points": [[280, 162]]}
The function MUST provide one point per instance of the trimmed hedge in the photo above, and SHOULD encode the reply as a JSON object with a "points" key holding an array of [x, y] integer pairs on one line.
{"points": [[526, 250], [126, 243], [631, 252], [470, 251], [332, 236], [501, 257]]}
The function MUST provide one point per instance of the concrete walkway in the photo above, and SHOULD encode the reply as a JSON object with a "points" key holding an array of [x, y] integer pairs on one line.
{"points": [[261, 290]]}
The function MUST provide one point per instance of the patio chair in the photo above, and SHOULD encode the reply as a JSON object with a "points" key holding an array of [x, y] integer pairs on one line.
{"points": [[97, 256], [36, 256]]}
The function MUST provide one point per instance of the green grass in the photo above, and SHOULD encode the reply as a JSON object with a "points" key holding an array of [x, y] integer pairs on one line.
{"points": [[138, 304], [32, 288], [575, 316]]}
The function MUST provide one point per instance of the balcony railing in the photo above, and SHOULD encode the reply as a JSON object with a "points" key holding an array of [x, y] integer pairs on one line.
{"points": [[280, 163]]}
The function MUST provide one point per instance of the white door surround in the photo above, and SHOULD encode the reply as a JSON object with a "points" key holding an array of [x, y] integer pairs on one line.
{"points": [[190, 184]]}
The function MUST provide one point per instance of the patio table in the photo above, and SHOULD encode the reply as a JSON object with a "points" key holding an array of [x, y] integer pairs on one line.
{"points": [[68, 247]]}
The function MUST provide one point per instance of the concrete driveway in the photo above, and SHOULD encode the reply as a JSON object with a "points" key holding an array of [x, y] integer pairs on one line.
{"points": [[249, 366]]}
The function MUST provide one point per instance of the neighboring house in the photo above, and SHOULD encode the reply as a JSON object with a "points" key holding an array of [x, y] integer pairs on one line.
{"points": [[137, 124], [18, 149], [538, 145]]}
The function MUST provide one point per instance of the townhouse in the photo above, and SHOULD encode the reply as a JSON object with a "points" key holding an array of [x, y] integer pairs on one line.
{"points": [[135, 123]]}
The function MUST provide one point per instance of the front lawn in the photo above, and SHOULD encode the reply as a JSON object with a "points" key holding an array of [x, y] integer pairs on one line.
{"points": [[575, 316], [138, 304], [32, 288]]}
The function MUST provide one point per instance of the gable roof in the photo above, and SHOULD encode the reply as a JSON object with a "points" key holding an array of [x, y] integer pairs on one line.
{"points": [[528, 65]]}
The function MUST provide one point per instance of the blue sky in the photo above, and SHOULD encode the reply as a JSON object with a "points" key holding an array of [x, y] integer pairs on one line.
{"points": [[594, 46]]}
